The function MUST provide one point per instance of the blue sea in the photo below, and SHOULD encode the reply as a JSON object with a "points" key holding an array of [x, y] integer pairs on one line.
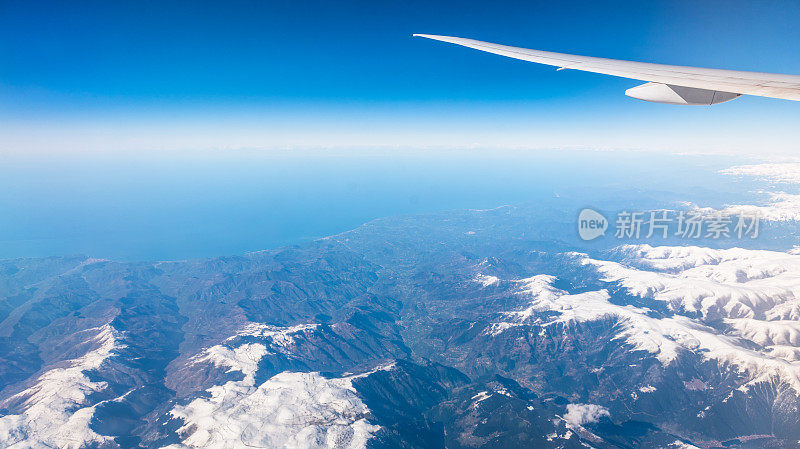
{"points": [[179, 205]]}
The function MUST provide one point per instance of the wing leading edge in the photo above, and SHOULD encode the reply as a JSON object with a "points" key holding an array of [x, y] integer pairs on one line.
{"points": [[665, 83]]}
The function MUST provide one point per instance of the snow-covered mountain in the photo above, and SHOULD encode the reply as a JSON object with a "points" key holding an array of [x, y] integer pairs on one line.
{"points": [[467, 329]]}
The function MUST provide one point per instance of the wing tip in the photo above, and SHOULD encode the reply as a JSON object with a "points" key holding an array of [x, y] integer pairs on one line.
{"points": [[432, 36]]}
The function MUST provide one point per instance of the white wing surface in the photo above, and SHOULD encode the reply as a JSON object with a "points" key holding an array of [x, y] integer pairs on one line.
{"points": [[665, 83]]}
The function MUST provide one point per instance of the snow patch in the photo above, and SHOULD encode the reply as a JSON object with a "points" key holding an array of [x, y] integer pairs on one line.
{"points": [[280, 336], [496, 329], [677, 444], [243, 358], [290, 410], [480, 397], [756, 293], [701, 280], [486, 281], [56, 409], [736, 282], [767, 333]]}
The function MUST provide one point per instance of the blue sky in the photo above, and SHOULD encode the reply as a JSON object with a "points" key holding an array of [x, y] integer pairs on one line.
{"points": [[146, 75], [113, 114]]}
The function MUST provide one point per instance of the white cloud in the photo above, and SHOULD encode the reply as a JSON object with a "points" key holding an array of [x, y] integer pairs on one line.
{"points": [[779, 205], [785, 172], [582, 414]]}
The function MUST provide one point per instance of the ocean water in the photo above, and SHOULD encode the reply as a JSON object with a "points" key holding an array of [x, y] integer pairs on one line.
{"points": [[179, 205]]}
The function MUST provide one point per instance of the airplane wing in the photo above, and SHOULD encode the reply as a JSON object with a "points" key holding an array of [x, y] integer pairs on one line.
{"points": [[665, 83]]}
